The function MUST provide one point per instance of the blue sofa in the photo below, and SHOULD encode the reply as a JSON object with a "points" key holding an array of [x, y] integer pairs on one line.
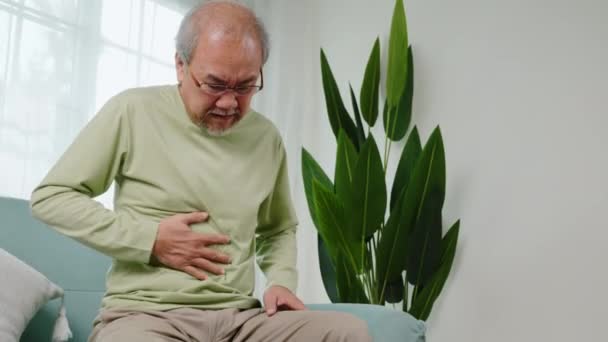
{"points": [[80, 271]]}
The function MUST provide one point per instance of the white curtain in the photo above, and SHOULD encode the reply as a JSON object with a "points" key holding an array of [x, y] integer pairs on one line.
{"points": [[60, 60]]}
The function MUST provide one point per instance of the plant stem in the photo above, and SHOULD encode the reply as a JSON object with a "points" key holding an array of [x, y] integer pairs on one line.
{"points": [[371, 290], [375, 257], [383, 288], [388, 152], [365, 275], [364, 248], [385, 161], [372, 270], [365, 282], [375, 241], [405, 294], [372, 273]]}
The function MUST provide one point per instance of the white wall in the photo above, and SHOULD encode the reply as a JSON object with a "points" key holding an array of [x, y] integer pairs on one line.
{"points": [[519, 89]]}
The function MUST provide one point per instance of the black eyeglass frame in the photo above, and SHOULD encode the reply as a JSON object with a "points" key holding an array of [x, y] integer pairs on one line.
{"points": [[218, 89]]}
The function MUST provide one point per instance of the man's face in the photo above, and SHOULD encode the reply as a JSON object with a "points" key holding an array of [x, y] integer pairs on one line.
{"points": [[219, 60]]}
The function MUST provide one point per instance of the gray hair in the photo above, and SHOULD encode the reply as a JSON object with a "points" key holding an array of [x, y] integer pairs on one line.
{"points": [[188, 33]]}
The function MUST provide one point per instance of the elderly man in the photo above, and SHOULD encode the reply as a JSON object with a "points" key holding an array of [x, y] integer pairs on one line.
{"points": [[201, 188]]}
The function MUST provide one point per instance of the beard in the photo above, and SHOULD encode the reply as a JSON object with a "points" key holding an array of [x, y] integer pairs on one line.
{"points": [[218, 122]]}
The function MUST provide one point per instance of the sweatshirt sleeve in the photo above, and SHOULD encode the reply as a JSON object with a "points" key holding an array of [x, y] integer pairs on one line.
{"points": [[64, 199], [276, 232]]}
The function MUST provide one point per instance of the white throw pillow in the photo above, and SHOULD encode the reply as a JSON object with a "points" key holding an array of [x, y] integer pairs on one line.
{"points": [[23, 291]]}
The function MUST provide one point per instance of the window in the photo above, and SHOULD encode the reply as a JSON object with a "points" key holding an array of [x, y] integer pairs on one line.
{"points": [[60, 60]]}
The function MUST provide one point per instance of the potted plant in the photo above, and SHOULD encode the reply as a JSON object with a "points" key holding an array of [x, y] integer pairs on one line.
{"points": [[378, 246]]}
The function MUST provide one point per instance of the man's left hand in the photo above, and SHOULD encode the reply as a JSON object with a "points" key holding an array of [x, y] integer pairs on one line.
{"points": [[279, 298]]}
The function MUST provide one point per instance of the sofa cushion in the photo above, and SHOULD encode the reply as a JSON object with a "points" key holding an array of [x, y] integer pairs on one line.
{"points": [[385, 324], [77, 269], [23, 291]]}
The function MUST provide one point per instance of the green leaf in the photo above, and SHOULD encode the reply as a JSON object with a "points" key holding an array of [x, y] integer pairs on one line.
{"points": [[338, 116], [371, 86], [427, 196], [328, 271], [360, 131], [350, 289], [397, 52], [409, 156], [423, 303], [311, 170], [346, 161], [393, 249], [369, 191], [397, 119], [333, 227], [424, 250]]}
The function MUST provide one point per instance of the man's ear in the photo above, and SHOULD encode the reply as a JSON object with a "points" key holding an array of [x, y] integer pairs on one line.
{"points": [[179, 68]]}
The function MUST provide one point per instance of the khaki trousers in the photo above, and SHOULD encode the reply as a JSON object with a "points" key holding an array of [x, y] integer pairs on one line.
{"points": [[228, 325]]}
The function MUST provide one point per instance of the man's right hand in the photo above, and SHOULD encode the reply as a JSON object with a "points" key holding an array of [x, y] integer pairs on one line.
{"points": [[178, 247]]}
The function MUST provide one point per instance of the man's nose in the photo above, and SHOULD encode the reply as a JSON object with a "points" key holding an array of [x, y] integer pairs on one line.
{"points": [[227, 101]]}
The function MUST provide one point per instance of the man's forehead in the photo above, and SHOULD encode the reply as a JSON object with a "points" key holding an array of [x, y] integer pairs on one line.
{"points": [[211, 72], [232, 38], [226, 60]]}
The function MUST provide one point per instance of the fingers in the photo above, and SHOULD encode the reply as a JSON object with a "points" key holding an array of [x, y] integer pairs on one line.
{"points": [[291, 302], [180, 248], [215, 256], [270, 304], [214, 239], [298, 305], [195, 217], [195, 272], [206, 239], [199, 266], [279, 298], [206, 265]]}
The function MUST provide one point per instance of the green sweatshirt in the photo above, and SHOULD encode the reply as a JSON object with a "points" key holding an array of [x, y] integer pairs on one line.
{"points": [[163, 164]]}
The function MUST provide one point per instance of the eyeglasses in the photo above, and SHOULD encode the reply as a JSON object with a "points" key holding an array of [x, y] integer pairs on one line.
{"points": [[218, 89]]}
